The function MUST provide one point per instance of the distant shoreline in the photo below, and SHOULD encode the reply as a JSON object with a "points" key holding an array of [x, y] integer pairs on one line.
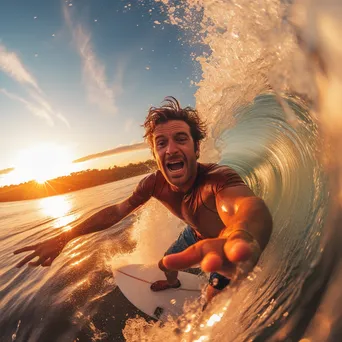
{"points": [[73, 182]]}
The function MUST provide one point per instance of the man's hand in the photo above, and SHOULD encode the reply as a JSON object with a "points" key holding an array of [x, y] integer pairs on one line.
{"points": [[46, 251], [234, 256]]}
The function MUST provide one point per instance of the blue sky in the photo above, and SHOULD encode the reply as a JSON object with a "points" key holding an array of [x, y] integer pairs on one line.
{"points": [[82, 74]]}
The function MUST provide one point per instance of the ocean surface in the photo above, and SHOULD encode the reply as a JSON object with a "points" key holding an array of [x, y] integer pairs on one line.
{"points": [[270, 123]]}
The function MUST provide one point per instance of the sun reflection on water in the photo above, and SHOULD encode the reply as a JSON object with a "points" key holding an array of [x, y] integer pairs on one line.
{"points": [[78, 262], [58, 208]]}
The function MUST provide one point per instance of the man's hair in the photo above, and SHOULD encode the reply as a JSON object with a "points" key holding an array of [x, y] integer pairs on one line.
{"points": [[171, 110]]}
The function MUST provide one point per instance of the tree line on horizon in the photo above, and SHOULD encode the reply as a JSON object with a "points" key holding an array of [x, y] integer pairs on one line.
{"points": [[73, 182]]}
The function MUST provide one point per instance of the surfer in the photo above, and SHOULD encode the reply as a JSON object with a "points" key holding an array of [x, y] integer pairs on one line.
{"points": [[227, 225]]}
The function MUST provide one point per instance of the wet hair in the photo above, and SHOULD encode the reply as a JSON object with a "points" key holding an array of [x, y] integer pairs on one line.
{"points": [[171, 110]]}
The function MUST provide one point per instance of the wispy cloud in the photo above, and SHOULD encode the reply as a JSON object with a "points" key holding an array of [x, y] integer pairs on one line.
{"points": [[63, 119], [117, 150], [37, 103], [99, 92], [6, 171], [35, 109], [11, 65]]}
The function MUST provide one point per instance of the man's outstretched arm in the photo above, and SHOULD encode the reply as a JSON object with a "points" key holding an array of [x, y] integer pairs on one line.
{"points": [[48, 250], [241, 210], [248, 226]]}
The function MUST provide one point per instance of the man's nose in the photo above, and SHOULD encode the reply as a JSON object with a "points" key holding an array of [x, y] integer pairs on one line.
{"points": [[171, 147]]}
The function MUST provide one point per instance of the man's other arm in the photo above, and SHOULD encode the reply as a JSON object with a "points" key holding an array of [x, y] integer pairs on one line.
{"points": [[101, 220], [48, 250]]}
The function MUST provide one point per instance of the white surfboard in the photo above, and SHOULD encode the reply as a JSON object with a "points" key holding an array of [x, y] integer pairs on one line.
{"points": [[135, 280]]}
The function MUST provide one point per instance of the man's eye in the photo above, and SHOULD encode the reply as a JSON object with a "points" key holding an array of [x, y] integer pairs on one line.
{"points": [[161, 143]]}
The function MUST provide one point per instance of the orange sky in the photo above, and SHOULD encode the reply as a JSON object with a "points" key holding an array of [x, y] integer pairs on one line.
{"points": [[47, 161]]}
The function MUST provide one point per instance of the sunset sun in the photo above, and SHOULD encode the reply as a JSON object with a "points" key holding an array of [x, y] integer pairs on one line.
{"points": [[43, 162]]}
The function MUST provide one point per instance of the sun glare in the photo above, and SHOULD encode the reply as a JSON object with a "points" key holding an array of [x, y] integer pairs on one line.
{"points": [[43, 162], [60, 209]]}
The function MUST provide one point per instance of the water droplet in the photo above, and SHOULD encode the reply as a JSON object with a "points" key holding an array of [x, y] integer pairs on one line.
{"points": [[215, 281], [251, 276]]}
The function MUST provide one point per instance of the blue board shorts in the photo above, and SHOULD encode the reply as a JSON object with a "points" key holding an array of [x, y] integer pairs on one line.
{"points": [[185, 240]]}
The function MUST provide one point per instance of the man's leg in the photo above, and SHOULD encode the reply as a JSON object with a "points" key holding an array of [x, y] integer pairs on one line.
{"points": [[211, 293], [170, 282], [185, 239], [217, 283]]}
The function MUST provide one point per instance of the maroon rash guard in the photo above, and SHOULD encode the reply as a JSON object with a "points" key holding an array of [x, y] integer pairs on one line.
{"points": [[196, 207]]}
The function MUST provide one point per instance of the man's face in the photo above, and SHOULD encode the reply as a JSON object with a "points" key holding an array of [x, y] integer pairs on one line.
{"points": [[175, 154]]}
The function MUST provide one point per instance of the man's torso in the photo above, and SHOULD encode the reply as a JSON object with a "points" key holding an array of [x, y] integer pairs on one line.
{"points": [[197, 207]]}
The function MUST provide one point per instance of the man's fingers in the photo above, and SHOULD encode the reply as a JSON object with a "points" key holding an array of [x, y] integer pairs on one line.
{"points": [[209, 251], [48, 261], [25, 249], [40, 261], [238, 250], [26, 259], [217, 255], [191, 256], [211, 262]]}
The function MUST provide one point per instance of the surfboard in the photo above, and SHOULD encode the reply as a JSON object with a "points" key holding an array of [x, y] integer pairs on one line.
{"points": [[135, 280]]}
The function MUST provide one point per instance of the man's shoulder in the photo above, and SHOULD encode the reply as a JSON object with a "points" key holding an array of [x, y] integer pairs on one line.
{"points": [[219, 176], [212, 169], [149, 182]]}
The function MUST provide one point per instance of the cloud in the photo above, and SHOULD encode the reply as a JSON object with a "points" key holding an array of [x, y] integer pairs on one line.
{"points": [[94, 72], [117, 150], [63, 119], [6, 171], [45, 105], [35, 109], [11, 65]]}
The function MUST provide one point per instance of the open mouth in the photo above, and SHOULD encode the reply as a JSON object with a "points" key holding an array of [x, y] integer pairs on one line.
{"points": [[175, 166]]}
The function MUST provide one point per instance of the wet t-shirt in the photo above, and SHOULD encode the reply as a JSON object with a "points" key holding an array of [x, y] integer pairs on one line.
{"points": [[196, 207]]}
